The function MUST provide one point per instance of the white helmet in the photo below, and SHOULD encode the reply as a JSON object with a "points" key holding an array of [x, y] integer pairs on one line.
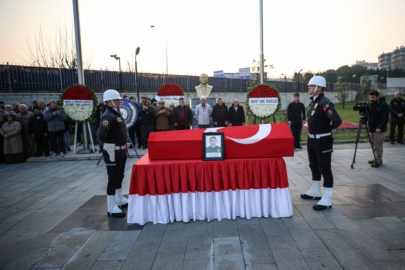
{"points": [[111, 94], [317, 80]]}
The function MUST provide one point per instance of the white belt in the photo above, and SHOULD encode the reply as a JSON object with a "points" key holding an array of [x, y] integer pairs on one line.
{"points": [[120, 147], [317, 136]]}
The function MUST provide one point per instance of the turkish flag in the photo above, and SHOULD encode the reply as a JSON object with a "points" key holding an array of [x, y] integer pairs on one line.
{"points": [[251, 141]]}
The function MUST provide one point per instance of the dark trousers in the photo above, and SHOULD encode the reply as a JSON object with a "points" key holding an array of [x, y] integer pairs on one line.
{"points": [[131, 133], [41, 144], [296, 132], [203, 126], [58, 141], [320, 156], [138, 133], [145, 131], [182, 127], [115, 170], [400, 125]]}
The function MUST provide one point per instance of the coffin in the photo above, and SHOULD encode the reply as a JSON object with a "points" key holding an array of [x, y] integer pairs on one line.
{"points": [[251, 141]]}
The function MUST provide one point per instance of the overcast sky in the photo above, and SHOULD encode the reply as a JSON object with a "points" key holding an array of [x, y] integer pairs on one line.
{"points": [[210, 35]]}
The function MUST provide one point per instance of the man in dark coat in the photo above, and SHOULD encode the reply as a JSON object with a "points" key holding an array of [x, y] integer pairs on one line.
{"points": [[236, 114], [147, 122], [397, 109], [220, 114], [183, 117], [39, 132], [295, 115]]}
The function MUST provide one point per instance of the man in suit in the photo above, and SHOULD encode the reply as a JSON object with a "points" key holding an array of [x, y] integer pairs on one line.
{"points": [[236, 114]]}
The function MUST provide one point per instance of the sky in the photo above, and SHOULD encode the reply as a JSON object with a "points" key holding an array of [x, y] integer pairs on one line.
{"points": [[210, 35]]}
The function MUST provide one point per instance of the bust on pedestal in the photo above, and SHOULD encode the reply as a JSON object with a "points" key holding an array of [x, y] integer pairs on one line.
{"points": [[204, 89]]}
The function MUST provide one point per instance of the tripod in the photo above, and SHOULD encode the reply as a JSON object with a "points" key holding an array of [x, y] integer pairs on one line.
{"points": [[362, 122]]}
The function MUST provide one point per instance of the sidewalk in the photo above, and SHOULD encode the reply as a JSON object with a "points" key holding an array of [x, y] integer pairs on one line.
{"points": [[53, 216]]}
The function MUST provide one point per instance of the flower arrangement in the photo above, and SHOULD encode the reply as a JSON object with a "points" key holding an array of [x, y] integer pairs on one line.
{"points": [[170, 93], [263, 100], [79, 103]]}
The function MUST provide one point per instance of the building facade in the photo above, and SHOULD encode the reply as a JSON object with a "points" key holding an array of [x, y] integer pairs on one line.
{"points": [[392, 60]]}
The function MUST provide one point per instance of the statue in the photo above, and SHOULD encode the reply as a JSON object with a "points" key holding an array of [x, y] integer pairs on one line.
{"points": [[204, 89]]}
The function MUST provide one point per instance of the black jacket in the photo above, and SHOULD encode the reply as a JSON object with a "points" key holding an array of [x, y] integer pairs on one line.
{"points": [[147, 117], [296, 112], [38, 126], [397, 107], [236, 118], [187, 113], [219, 115], [113, 128], [377, 116], [322, 116]]}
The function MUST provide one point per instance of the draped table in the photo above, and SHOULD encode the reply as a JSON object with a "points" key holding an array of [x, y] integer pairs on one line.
{"points": [[165, 191]]}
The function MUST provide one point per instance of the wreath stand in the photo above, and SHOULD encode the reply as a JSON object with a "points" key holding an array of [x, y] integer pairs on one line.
{"points": [[85, 150]]}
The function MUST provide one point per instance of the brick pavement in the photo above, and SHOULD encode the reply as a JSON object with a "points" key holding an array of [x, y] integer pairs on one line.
{"points": [[53, 216]]}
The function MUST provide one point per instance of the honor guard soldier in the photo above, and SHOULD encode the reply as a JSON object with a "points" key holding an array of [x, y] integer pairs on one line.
{"points": [[113, 133], [322, 119]]}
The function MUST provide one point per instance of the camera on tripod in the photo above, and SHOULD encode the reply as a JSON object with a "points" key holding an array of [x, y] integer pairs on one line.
{"points": [[362, 107]]}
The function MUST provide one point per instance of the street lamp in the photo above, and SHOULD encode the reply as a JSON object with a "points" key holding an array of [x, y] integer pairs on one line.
{"points": [[136, 73], [298, 84], [285, 82], [167, 62], [116, 57]]}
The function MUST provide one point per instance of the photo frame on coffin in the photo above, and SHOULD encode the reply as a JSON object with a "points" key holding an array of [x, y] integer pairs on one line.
{"points": [[213, 146]]}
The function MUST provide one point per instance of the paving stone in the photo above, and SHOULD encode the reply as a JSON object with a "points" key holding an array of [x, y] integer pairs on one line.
{"points": [[207, 264], [272, 226], [175, 238], [72, 221], [87, 254], [346, 255], [382, 233], [315, 218], [319, 258], [253, 238], [296, 221], [389, 265], [228, 248], [153, 230], [27, 259], [93, 222], [48, 240], [143, 253], [62, 252], [394, 224], [224, 263], [120, 246], [400, 254], [45, 225], [225, 228], [352, 211], [109, 265], [5, 226], [168, 261], [14, 246], [306, 238]]}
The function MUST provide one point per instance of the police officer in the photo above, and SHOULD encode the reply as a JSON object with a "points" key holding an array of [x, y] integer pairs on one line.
{"points": [[322, 118], [113, 133], [397, 109]]}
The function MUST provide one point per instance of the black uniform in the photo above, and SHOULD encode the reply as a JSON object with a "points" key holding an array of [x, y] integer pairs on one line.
{"points": [[296, 114], [322, 118], [397, 107], [39, 127], [113, 130], [219, 115]]}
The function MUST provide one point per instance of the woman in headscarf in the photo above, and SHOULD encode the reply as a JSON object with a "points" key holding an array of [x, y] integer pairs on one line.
{"points": [[12, 141]]}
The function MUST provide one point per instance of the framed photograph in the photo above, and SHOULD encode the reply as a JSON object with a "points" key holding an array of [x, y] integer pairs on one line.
{"points": [[213, 146]]}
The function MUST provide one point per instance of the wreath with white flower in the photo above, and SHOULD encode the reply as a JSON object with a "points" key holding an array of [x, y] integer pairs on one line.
{"points": [[263, 100], [170, 93], [79, 103]]}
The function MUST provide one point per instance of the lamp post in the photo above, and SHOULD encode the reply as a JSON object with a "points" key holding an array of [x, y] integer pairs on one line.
{"points": [[298, 84], [167, 62], [354, 76], [285, 82], [116, 57], [136, 73]]}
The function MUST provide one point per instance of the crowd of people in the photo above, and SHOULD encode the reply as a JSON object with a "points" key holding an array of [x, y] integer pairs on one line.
{"points": [[43, 129], [155, 116]]}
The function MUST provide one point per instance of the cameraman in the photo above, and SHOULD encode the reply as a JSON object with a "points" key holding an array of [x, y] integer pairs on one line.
{"points": [[377, 117], [397, 109], [147, 121]]}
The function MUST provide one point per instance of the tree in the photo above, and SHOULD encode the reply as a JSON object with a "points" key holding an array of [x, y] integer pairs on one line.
{"points": [[308, 76], [342, 91], [57, 53], [364, 90]]}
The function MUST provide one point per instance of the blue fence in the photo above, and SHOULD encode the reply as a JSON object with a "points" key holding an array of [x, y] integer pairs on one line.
{"points": [[24, 78]]}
